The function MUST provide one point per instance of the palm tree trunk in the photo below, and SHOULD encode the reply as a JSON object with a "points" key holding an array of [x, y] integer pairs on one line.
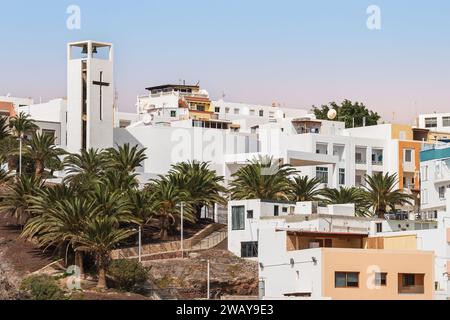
{"points": [[79, 263], [39, 168], [101, 284]]}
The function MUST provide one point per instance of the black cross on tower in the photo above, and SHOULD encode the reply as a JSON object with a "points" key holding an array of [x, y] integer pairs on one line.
{"points": [[101, 84]]}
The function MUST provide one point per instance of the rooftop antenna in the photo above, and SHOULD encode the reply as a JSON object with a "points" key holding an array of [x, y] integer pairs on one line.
{"points": [[198, 83]]}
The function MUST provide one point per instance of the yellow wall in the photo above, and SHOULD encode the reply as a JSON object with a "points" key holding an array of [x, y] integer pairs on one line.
{"points": [[398, 128], [392, 262], [416, 146], [408, 242]]}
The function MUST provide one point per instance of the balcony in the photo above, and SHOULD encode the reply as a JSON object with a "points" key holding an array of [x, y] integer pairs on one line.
{"points": [[409, 283], [361, 161]]}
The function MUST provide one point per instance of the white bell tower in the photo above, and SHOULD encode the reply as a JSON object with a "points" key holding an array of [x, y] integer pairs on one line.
{"points": [[90, 95]]}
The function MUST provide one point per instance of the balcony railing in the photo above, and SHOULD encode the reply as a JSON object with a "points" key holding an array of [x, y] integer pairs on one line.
{"points": [[377, 162], [411, 290], [361, 161]]}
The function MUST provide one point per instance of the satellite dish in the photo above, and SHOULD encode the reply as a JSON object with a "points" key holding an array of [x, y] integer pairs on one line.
{"points": [[147, 119], [332, 114]]}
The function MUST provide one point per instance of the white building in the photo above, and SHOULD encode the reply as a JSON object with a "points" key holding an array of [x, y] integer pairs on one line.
{"points": [[439, 122], [51, 117], [17, 102], [435, 179]]}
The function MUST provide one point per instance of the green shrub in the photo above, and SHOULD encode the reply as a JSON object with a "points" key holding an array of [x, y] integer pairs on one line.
{"points": [[41, 287], [127, 274]]}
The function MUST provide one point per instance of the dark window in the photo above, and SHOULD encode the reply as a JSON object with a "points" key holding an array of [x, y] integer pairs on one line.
{"points": [[381, 279], [238, 218], [249, 214], [408, 280], [217, 110], [173, 114], [285, 209], [379, 227], [346, 280], [249, 249], [261, 113], [276, 211]]}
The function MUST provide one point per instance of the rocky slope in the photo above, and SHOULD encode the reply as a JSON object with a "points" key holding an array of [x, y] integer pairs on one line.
{"points": [[186, 279]]}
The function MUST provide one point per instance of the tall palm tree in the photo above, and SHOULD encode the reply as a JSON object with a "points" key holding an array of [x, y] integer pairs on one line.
{"points": [[264, 179], [305, 189], [126, 158], [382, 195], [166, 199], [202, 184], [84, 170], [100, 235], [16, 200], [59, 223], [22, 124], [42, 151], [345, 195], [120, 180]]}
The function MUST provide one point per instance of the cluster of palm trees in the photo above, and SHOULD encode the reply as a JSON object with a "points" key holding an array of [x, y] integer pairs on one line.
{"points": [[101, 203], [265, 178]]}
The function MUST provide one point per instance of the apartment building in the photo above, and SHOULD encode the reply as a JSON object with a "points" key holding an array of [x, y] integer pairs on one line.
{"points": [[297, 264], [246, 218], [435, 178]]}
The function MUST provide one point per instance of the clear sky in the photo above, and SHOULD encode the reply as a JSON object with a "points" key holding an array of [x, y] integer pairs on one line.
{"points": [[297, 53]]}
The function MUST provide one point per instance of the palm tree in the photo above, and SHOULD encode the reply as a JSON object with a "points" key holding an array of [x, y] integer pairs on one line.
{"points": [[125, 158], [9, 150], [42, 150], [84, 170], [263, 179], [22, 124], [16, 200], [382, 195], [5, 178], [141, 206], [202, 184], [4, 128], [166, 199], [100, 235], [60, 222], [345, 195], [120, 180], [305, 189]]}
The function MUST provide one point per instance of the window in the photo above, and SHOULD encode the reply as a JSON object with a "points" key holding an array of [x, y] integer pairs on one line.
{"points": [[261, 113], [252, 112], [446, 121], [237, 111], [424, 173], [346, 279], [381, 279], [408, 155], [51, 133], [173, 114], [276, 211], [430, 122], [408, 280], [379, 227], [285, 210], [227, 110], [217, 109], [328, 243], [442, 193], [238, 218], [342, 177], [249, 249], [250, 214], [424, 197], [322, 174]]}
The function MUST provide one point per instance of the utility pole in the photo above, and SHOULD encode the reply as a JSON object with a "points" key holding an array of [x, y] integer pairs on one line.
{"points": [[182, 230]]}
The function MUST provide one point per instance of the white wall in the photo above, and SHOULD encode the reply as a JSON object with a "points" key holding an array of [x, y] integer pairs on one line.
{"points": [[280, 277]]}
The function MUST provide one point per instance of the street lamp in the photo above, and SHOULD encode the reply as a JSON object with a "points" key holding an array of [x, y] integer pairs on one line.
{"points": [[140, 244], [182, 230]]}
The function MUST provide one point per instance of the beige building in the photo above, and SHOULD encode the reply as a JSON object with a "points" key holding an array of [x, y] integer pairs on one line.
{"points": [[295, 264]]}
